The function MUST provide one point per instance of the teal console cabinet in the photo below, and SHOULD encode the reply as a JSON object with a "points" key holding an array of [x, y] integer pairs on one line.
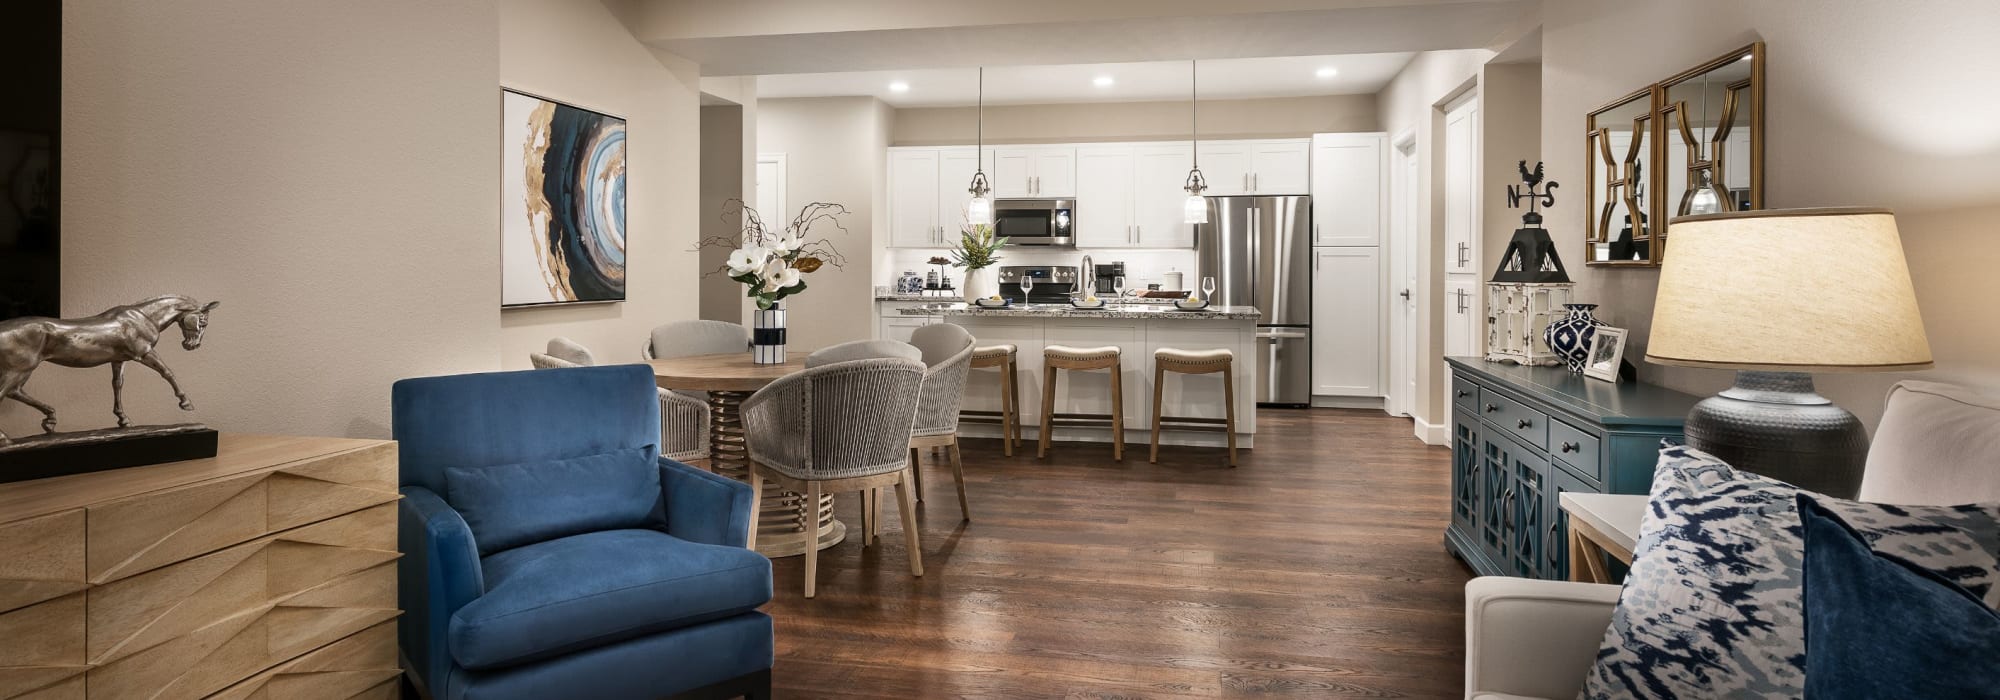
{"points": [[1521, 436]]}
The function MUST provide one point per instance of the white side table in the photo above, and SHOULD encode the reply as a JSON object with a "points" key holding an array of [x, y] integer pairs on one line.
{"points": [[1601, 524]]}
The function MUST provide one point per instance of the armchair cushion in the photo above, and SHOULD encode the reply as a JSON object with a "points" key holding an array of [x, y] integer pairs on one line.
{"points": [[516, 504], [551, 598], [1528, 638]]}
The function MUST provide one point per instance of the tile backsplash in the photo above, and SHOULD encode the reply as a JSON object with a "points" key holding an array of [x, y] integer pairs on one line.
{"points": [[1142, 267]]}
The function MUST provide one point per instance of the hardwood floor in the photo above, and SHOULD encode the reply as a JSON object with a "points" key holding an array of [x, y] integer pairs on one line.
{"points": [[1315, 569]]}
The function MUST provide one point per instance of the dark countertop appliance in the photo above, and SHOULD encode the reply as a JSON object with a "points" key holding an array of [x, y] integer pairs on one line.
{"points": [[1106, 272]]}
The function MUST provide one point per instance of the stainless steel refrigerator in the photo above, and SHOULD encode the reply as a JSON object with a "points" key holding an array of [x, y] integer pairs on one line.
{"points": [[1259, 250]]}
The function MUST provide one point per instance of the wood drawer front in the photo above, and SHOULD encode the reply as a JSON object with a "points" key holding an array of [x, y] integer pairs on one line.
{"points": [[40, 559], [41, 683], [145, 532], [1575, 448], [1464, 393], [360, 666], [1514, 418], [42, 607], [343, 564]]}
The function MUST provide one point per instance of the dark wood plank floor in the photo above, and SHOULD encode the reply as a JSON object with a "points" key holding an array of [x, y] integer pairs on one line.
{"points": [[1315, 569]]}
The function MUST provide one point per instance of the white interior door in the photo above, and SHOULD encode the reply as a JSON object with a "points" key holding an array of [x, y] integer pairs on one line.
{"points": [[771, 187], [1461, 186], [1403, 289]]}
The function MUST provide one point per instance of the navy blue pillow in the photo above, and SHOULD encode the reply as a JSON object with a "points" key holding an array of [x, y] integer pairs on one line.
{"points": [[511, 505], [1878, 626]]}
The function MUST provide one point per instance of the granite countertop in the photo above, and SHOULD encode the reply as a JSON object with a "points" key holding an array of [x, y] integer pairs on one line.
{"points": [[1159, 311]]}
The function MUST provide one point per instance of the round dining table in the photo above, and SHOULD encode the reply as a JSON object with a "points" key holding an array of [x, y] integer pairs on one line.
{"points": [[785, 522]]}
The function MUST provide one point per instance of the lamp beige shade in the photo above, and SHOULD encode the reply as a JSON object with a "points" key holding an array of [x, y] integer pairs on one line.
{"points": [[1798, 290]]}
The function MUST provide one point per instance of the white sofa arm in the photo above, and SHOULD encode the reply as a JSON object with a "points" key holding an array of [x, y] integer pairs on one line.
{"points": [[1531, 638]]}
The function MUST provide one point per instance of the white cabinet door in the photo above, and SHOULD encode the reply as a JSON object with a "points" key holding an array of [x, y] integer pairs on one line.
{"points": [[1347, 189], [1464, 327], [900, 328], [1104, 179], [1461, 182], [913, 199], [1055, 172], [955, 169], [1347, 321], [1280, 167], [1159, 172], [1013, 173], [1226, 167]]}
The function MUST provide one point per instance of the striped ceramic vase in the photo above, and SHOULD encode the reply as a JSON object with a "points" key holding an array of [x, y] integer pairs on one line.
{"points": [[767, 335]]}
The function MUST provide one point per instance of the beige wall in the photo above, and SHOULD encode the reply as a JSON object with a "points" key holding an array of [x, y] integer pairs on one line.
{"points": [[834, 152], [579, 53], [1282, 117], [1871, 104], [722, 180], [326, 170], [1413, 102], [1510, 113]]}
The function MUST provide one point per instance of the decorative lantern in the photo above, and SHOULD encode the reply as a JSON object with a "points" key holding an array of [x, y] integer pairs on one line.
{"points": [[1531, 286]]}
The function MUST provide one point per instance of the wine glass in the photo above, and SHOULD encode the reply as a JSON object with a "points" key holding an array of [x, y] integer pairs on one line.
{"points": [[1208, 290], [1118, 288], [1027, 286]]}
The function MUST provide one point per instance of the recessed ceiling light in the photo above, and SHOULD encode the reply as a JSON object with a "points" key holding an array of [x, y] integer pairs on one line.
{"points": [[1102, 81], [1327, 72], [899, 86]]}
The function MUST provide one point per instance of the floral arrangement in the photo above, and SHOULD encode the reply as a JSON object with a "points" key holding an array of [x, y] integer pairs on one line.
{"points": [[977, 248], [772, 264]]}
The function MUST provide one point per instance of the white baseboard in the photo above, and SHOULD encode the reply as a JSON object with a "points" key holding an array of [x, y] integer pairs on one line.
{"points": [[1432, 433], [1374, 402]]}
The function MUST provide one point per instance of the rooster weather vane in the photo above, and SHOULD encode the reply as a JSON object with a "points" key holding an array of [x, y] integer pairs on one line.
{"points": [[1526, 190]]}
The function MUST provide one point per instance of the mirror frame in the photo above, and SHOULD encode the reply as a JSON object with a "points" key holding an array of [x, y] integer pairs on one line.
{"points": [[1597, 147]]}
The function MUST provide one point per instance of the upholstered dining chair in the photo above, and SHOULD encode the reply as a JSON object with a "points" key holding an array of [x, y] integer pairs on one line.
{"points": [[862, 350], [683, 418], [837, 428], [947, 354], [684, 338], [550, 552]]}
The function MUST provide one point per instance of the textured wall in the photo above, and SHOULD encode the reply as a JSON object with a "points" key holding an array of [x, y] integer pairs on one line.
{"points": [[834, 152]]}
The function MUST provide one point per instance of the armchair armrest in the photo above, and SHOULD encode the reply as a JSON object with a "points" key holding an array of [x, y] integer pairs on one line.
{"points": [[438, 574], [1533, 638], [704, 507]]}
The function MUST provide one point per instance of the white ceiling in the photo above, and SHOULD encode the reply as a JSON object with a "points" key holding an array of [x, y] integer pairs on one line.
{"points": [[1234, 78]]}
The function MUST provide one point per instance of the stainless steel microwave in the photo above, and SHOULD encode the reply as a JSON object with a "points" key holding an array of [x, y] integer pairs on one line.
{"points": [[1035, 221]]}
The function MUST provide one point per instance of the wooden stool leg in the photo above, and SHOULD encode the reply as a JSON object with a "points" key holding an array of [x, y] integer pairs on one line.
{"points": [[1048, 407], [1118, 412], [917, 473], [812, 552], [1229, 408], [958, 474], [909, 514], [1008, 429], [1159, 391], [1014, 393]]}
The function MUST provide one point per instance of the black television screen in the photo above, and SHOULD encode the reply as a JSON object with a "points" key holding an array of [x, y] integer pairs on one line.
{"points": [[30, 135]]}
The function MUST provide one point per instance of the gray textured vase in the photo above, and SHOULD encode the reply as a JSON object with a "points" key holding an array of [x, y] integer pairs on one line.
{"points": [[1570, 335]]}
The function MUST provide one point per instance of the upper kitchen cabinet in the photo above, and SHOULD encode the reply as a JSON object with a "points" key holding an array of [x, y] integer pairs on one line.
{"points": [[1348, 197], [1262, 167], [1034, 171], [914, 199], [1104, 189], [1159, 173]]}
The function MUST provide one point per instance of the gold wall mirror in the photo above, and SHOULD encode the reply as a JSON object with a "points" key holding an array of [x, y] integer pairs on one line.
{"points": [[1618, 197], [1691, 144]]}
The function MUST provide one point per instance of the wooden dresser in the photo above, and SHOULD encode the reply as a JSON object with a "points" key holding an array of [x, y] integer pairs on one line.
{"points": [[268, 571], [1522, 436]]}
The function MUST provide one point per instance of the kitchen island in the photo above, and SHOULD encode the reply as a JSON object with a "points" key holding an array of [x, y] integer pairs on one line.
{"points": [[1137, 330]]}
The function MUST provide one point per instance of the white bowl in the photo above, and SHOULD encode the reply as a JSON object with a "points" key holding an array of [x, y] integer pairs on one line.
{"points": [[1183, 305]]}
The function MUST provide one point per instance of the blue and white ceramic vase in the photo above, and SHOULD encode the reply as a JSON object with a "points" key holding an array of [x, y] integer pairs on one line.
{"points": [[767, 335], [1570, 335]]}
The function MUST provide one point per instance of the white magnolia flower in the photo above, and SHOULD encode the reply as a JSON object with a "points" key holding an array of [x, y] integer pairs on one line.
{"points": [[787, 277], [747, 259]]}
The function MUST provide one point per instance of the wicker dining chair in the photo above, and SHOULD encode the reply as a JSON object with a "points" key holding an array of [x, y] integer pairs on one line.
{"points": [[834, 429], [684, 338], [862, 350], [947, 354], [683, 419]]}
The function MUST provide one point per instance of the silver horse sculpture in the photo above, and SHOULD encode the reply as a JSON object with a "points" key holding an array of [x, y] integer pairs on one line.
{"points": [[117, 336]]}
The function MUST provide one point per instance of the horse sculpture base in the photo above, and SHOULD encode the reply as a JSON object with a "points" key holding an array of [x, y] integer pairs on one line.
{"points": [[83, 451]]}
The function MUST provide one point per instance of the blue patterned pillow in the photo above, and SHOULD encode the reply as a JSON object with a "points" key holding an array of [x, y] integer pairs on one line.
{"points": [[1713, 606]]}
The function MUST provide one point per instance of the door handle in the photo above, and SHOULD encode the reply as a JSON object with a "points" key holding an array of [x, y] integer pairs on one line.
{"points": [[1405, 294], [1548, 546], [1275, 335], [1462, 250], [1246, 182], [1253, 182]]}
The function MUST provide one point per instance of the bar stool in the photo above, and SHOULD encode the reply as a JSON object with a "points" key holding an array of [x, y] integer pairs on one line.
{"points": [[1195, 362], [1000, 357], [1055, 357]]}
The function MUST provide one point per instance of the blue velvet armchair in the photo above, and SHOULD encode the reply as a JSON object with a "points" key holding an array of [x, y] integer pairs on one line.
{"points": [[549, 552]]}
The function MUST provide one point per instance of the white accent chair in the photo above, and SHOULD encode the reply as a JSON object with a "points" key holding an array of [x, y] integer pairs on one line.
{"points": [[1937, 444]]}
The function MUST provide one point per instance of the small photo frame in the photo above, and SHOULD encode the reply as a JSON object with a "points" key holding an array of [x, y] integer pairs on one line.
{"points": [[1607, 352]]}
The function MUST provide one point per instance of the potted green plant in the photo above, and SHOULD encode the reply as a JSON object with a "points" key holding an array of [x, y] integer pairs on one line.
{"points": [[976, 251]]}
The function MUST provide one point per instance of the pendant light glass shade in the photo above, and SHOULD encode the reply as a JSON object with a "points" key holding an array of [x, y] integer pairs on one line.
{"points": [[979, 212], [1195, 211]]}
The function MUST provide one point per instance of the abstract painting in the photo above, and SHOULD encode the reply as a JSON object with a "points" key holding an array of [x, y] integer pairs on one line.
{"points": [[562, 189]]}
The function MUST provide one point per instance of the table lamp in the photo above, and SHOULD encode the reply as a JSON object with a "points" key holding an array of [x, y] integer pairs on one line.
{"points": [[1776, 295]]}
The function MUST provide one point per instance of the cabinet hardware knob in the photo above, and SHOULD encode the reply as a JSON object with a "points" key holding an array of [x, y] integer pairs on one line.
{"points": [[1491, 407], [1571, 447], [1524, 424], [1463, 393]]}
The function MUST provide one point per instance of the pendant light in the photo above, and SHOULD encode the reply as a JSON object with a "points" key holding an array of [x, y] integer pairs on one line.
{"points": [[1195, 211], [979, 212]]}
